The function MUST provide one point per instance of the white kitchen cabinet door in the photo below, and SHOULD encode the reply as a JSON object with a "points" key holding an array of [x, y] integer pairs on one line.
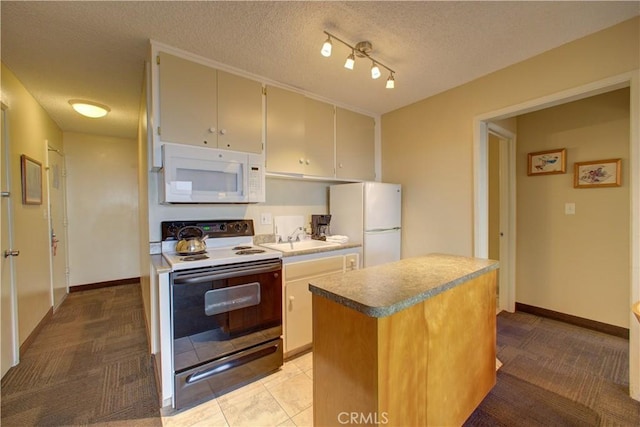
{"points": [[298, 331], [285, 131], [355, 145], [319, 138], [187, 102], [298, 312], [240, 118]]}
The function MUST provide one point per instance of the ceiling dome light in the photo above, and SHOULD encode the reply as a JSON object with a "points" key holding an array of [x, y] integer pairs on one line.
{"points": [[326, 47], [350, 62], [375, 71], [391, 83], [89, 109]]}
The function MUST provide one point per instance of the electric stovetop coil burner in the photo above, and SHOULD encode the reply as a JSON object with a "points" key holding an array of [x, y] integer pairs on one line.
{"points": [[249, 251]]}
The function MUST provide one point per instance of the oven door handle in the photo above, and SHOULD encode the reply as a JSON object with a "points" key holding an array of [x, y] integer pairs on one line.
{"points": [[208, 276]]}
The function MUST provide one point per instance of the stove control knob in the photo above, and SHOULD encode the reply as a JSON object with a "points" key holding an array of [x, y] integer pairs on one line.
{"points": [[173, 230], [223, 227], [237, 226]]}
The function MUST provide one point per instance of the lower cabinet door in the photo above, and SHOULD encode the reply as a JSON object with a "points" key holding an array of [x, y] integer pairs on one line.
{"points": [[298, 314]]}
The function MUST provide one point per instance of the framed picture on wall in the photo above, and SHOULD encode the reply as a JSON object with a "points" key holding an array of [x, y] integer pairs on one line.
{"points": [[547, 162], [31, 172], [598, 173]]}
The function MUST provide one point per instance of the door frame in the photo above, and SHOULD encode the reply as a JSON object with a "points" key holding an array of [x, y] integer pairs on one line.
{"points": [[480, 161]]}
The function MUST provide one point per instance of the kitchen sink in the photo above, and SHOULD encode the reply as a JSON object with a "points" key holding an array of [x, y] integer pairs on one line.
{"points": [[300, 246]]}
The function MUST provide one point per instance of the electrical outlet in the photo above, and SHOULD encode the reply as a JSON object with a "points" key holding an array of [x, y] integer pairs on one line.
{"points": [[265, 218]]}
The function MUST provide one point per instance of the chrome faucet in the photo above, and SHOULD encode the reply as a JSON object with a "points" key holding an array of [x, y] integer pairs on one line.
{"points": [[296, 234]]}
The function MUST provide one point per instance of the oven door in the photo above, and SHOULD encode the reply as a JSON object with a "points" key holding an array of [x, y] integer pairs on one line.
{"points": [[225, 313]]}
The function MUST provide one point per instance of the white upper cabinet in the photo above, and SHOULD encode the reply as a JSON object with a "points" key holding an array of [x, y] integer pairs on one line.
{"points": [[300, 137], [187, 96], [240, 115], [319, 138], [355, 151], [199, 105], [285, 131]]}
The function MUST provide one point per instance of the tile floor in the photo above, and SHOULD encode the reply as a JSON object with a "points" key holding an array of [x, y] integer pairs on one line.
{"points": [[280, 399]]}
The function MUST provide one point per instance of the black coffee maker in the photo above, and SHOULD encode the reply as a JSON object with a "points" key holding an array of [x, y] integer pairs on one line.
{"points": [[320, 226]]}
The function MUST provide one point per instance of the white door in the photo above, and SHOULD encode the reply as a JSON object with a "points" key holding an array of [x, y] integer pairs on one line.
{"points": [[8, 328], [501, 201], [382, 208], [57, 224]]}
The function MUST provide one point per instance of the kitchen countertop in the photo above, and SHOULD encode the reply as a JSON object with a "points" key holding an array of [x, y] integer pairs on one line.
{"points": [[320, 250], [160, 264], [388, 288]]}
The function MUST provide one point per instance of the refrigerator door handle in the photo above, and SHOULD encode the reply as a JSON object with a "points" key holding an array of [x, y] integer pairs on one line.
{"points": [[381, 230]]}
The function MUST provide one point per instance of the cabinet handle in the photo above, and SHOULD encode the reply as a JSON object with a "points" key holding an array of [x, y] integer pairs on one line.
{"points": [[291, 298], [301, 161], [223, 131], [308, 162], [212, 130], [340, 165]]}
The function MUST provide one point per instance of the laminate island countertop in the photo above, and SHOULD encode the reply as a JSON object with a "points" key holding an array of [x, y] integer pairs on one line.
{"points": [[408, 343], [386, 289]]}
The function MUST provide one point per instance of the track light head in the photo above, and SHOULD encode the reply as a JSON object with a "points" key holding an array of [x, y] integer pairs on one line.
{"points": [[391, 83], [375, 71], [326, 48], [350, 62]]}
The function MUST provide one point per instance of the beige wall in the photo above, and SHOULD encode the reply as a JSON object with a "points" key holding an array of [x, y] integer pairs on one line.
{"points": [[576, 264], [428, 146], [29, 130], [102, 185]]}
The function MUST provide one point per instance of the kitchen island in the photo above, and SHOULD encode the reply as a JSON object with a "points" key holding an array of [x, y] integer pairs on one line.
{"points": [[411, 342]]}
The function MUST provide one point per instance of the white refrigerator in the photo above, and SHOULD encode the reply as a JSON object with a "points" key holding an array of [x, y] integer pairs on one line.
{"points": [[368, 213]]}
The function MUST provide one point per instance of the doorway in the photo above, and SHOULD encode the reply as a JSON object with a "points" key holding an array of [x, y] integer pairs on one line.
{"points": [[8, 329], [481, 127], [57, 226]]}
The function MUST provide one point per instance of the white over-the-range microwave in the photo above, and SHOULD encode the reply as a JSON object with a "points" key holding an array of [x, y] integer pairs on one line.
{"points": [[192, 174]]}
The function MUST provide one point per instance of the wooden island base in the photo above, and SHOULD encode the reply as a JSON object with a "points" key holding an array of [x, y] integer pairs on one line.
{"points": [[430, 364]]}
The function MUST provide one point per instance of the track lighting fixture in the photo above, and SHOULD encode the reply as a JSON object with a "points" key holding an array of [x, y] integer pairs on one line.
{"points": [[361, 50]]}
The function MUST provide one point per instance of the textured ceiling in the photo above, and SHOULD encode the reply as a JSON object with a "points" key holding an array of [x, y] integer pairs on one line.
{"points": [[96, 50]]}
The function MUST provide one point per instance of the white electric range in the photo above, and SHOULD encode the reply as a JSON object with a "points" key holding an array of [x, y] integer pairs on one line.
{"points": [[225, 308]]}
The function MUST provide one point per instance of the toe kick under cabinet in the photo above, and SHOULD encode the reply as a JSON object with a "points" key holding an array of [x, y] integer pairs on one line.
{"points": [[297, 298]]}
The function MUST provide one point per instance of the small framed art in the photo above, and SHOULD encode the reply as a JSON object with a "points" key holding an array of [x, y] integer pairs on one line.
{"points": [[547, 162], [598, 173], [31, 172]]}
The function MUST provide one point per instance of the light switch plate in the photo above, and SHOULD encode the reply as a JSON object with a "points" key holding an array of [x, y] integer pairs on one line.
{"points": [[265, 218], [569, 208]]}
